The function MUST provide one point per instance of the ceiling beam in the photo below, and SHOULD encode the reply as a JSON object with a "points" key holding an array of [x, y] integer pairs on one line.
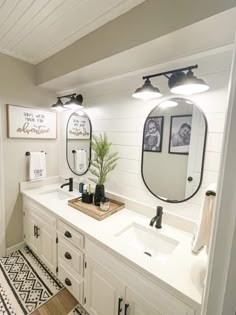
{"points": [[149, 20]]}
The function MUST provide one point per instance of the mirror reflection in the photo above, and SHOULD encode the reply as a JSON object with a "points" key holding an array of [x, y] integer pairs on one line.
{"points": [[174, 138], [78, 142]]}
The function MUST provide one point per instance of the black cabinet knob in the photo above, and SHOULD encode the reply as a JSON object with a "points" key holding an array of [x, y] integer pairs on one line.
{"points": [[68, 234], [190, 179], [68, 255], [68, 282]]}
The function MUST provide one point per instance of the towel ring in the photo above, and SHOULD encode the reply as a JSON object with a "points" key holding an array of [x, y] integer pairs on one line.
{"points": [[28, 153], [74, 151], [210, 193]]}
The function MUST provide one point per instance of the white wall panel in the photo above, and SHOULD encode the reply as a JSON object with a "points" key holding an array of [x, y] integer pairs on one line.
{"points": [[112, 109]]}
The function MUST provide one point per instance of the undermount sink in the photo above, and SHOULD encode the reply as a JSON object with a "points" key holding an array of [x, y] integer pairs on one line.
{"points": [[152, 244], [56, 194]]}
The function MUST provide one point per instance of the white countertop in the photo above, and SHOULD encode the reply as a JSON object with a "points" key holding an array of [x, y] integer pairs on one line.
{"points": [[183, 273]]}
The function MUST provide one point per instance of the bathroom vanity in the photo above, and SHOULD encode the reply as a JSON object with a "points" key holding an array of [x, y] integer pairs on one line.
{"points": [[119, 265]]}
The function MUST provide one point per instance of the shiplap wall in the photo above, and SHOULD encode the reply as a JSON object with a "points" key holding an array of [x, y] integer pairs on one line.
{"points": [[113, 110]]}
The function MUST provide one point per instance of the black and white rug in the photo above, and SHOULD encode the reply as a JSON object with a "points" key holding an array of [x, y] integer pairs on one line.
{"points": [[78, 310], [25, 283]]}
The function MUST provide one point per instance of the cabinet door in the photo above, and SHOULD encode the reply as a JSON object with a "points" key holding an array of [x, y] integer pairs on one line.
{"points": [[29, 232], [137, 305], [102, 291], [47, 247]]}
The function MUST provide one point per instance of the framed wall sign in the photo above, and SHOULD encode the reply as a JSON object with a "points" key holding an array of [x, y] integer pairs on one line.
{"points": [[78, 127], [31, 123]]}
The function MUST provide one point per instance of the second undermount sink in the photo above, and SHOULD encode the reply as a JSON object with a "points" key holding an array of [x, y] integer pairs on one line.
{"points": [[151, 243], [56, 194]]}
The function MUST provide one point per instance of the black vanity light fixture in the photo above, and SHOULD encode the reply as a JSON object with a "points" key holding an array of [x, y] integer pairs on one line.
{"points": [[58, 106], [74, 103], [147, 91], [180, 81]]}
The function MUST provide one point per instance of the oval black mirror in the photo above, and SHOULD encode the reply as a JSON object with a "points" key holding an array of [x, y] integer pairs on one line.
{"points": [[173, 150], [78, 142]]}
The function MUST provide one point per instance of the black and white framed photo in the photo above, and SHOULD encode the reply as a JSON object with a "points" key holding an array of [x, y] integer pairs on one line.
{"points": [[180, 134], [153, 133]]}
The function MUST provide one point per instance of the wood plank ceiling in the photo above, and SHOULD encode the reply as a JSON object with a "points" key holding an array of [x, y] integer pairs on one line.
{"points": [[33, 30]]}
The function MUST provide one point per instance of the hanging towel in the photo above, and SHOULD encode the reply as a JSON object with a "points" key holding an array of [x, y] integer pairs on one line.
{"points": [[80, 161], [37, 165], [202, 233]]}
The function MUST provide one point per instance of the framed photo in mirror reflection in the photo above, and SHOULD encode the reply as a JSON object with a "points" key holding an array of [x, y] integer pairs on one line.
{"points": [[153, 134], [180, 134]]}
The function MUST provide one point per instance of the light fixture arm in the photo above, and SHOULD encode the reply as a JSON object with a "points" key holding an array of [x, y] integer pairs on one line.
{"points": [[169, 72], [66, 96]]}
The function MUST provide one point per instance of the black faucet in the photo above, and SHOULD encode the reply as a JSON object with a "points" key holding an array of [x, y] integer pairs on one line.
{"points": [[157, 218], [70, 184]]}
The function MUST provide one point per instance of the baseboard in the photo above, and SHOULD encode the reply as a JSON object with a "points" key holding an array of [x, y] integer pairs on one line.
{"points": [[15, 248]]}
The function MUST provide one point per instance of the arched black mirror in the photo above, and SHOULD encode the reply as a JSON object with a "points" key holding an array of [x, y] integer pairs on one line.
{"points": [[173, 150], [78, 142]]}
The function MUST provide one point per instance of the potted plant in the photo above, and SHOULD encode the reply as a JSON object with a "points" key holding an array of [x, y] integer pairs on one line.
{"points": [[102, 164]]}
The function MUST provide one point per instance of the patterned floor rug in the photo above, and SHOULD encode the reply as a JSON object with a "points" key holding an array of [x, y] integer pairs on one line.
{"points": [[78, 310], [25, 283]]}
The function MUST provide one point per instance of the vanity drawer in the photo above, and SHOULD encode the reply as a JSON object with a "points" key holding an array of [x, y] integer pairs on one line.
{"points": [[71, 282], [71, 256], [71, 234]]}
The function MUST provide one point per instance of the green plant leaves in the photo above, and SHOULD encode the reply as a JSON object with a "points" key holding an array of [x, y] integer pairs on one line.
{"points": [[104, 162]]}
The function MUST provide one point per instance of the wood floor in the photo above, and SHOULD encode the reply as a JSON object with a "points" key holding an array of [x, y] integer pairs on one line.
{"points": [[61, 304]]}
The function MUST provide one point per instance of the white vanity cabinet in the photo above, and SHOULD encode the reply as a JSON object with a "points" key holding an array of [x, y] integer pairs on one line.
{"points": [[104, 292], [111, 285], [30, 223], [136, 305], [107, 295], [40, 233], [101, 279]]}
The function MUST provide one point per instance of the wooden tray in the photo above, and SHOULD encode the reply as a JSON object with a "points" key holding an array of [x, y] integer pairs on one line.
{"points": [[94, 211]]}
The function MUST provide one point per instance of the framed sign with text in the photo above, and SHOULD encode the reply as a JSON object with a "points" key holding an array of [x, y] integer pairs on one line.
{"points": [[78, 127], [31, 123]]}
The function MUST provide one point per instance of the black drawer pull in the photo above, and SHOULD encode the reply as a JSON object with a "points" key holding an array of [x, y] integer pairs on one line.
{"points": [[119, 306], [68, 282], [68, 234], [35, 230], [68, 255], [126, 308]]}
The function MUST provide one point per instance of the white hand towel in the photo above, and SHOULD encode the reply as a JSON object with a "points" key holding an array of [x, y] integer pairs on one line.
{"points": [[80, 161], [202, 234], [37, 165]]}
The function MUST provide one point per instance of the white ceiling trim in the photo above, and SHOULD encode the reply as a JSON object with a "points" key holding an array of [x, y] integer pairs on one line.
{"points": [[33, 30]]}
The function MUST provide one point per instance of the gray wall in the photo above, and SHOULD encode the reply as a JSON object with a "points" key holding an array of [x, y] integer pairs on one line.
{"points": [[18, 87]]}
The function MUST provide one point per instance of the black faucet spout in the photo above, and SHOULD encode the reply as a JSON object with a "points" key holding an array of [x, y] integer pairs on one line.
{"points": [[153, 221], [70, 184], [157, 218], [63, 185]]}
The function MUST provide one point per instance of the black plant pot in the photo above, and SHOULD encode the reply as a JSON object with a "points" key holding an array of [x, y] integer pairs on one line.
{"points": [[99, 194]]}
